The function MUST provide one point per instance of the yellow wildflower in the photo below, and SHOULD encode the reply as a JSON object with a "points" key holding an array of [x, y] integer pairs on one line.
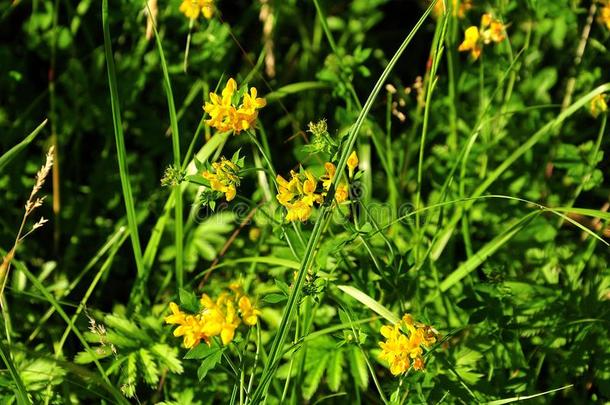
{"points": [[223, 178], [341, 193], [192, 331], [460, 12], [598, 105], [491, 30], [298, 195], [400, 349], [177, 317], [471, 42], [352, 163], [227, 114], [249, 314], [604, 15], [216, 318], [192, 8]]}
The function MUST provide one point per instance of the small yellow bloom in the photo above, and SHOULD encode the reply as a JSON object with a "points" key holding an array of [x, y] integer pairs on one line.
{"points": [[598, 105], [249, 314], [223, 178], [177, 317], [491, 30], [471, 42], [341, 192], [192, 8], [227, 114], [604, 15], [352, 163], [298, 195], [460, 12], [216, 318], [192, 331], [401, 350]]}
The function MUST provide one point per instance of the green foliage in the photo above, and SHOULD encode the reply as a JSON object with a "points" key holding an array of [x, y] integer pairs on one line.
{"points": [[479, 205]]}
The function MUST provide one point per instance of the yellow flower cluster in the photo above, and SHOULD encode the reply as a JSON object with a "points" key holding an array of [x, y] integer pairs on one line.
{"points": [[192, 8], [300, 193], [458, 11], [598, 105], [223, 178], [401, 350], [604, 14], [491, 30], [216, 318], [229, 112]]}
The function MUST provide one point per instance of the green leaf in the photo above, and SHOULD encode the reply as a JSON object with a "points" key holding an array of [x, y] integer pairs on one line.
{"points": [[334, 371], [370, 303], [197, 179], [209, 363], [200, 352], [149, 368], [87, 357], [314, 376], [124, 326], [285, 288], [357, 366], [189, 301], [168, 356], [274, 298]]}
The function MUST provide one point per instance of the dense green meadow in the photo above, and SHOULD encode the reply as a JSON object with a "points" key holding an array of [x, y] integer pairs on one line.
{"points": [[304, 201]]}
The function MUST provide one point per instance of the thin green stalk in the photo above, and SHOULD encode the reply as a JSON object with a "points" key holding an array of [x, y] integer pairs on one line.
{"points": [[590, 164], [121, 150], [105, 266], [20, 391], [51, 299], [432, 80], [178, 218], [275, 352], [115, 240]]}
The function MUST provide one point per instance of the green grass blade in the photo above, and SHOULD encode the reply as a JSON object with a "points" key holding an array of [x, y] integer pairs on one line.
{"points": [[20, 391], [51, 299], [121, 150], [294, 88], [519, 398], [12, 153], [178, 219], [204, 154], [517, 153], [534, 139], [289, 312], [369, 302], [490, 248]]}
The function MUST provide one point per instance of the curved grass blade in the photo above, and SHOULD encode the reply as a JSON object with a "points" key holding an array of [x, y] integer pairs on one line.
{"points": [[121, 150], [51, 299], [369, 302], [20, 391], [12, 153], [275, 352], [178, 219], [524, 397], [490, 248]]}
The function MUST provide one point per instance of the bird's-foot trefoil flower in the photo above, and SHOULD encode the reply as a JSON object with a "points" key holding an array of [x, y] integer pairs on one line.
{"points": [[192, 8], [219, 318], [404, 343], [490, 30], [231, 111], [598, 105]]}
